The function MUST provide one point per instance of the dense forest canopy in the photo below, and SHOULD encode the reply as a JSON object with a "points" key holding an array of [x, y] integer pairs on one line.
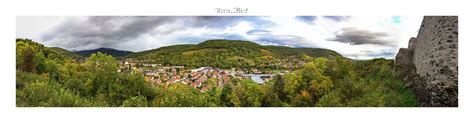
{"points": [[50, 77]]}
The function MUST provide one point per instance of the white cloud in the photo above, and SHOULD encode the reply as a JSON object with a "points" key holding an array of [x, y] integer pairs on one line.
{"points": [[33, 27]]}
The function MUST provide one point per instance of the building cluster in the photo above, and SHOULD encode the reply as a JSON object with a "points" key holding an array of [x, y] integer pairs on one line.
{"points": [[198, 78], [289, 63]]}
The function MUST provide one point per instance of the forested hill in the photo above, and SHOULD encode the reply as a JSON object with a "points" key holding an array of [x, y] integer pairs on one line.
{"points": [[230, 53], [110, 51], [53, 52], [65, 52]]}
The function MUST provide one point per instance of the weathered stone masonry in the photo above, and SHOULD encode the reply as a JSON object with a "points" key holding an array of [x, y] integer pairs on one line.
{"points": [[430, 63]]}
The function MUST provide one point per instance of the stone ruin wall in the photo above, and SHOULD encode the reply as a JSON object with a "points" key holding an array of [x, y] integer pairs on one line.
{"points": [[404, 61], [436, 47], [430, 63]]}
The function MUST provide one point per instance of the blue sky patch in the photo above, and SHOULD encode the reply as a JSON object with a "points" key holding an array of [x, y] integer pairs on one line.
{"points": [[396, 19]]}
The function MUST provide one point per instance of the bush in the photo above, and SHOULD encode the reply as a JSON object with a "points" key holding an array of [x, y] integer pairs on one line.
{"points": [[136, 101]]}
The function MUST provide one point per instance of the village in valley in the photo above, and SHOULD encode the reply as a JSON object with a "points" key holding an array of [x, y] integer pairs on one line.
{"points": [[158, 74]]}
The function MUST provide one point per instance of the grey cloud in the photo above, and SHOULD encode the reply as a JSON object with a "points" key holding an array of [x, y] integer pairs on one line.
{"points": [[99, 31], [268, 38], [306, 19], [382, 53], [368, 54], [356, 36], [337, 18], [197, 39], [111, 31], [219, 21], [287, 40], [258, 32]]}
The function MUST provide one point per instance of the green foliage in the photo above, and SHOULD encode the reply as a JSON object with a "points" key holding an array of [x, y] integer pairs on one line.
{"points": [[40, 61], [278, 87], [49, 78], [234, 100], [341, 82], [303, 99], [332, 99], [47, 94], [269, 95], [248, 93], [305, 86], [366, 83], [290, 88], [179, 95], [313, 75], [136, 101], [213, 97], [96, 79], [33, 57], [26, 59], [24, 78], [226, 96], [300, 52], [46, 78]]}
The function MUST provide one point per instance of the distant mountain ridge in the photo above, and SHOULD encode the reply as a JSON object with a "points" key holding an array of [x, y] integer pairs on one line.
{"points": [[110, 51], [65, 52]]}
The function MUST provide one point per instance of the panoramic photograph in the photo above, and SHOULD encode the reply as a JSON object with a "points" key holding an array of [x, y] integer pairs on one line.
{"points": [[236, 61]]}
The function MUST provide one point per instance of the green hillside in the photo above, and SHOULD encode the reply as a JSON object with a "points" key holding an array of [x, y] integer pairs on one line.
{"points": [[231, 53], [65, 52], [109, 51], [48, 52], [312, 52]]}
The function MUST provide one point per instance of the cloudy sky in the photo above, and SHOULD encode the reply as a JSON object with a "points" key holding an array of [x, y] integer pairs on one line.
{"points": [[357, 37]]}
